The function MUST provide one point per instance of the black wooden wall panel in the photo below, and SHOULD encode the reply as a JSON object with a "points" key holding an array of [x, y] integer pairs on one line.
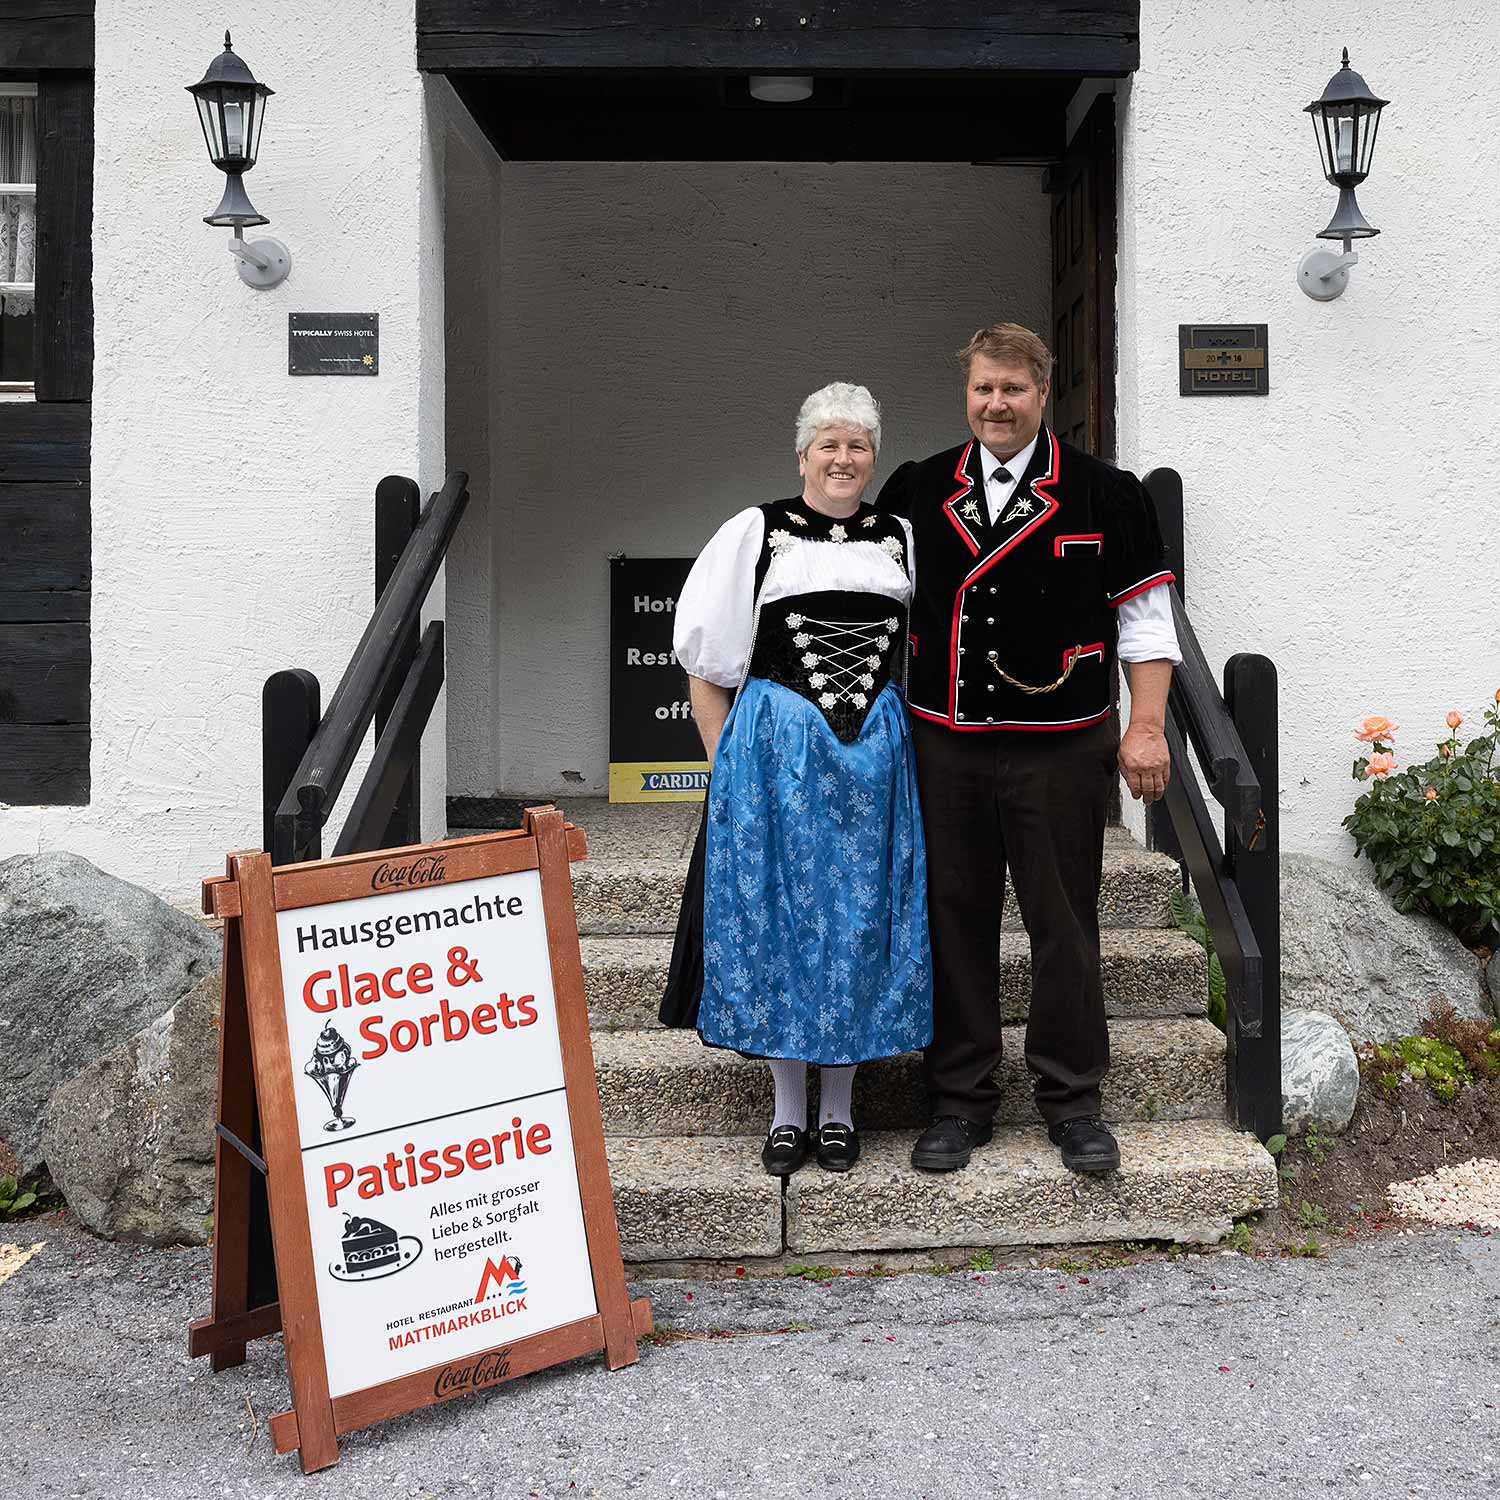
{"points": [[37, 35], [64, 221], [44, 443]]}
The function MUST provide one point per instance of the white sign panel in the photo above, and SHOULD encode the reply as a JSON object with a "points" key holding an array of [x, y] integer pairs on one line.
{"points": [[436, 1150]]}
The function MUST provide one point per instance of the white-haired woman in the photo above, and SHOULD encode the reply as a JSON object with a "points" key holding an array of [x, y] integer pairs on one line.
{"points": [[813, 870]]}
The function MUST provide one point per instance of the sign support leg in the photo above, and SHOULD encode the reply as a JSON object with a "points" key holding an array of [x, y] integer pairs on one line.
{"points": [[547, 826]]}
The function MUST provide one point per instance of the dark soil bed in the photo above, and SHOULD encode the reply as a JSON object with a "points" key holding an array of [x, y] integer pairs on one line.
{"points": [[1334, 1185]]}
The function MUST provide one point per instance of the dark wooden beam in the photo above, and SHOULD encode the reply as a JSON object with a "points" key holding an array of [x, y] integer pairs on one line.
{"points": [[45, 765], [64, 224], [38, 36], [44, 538], [44, 674], [44, 441], [1097, 37]]}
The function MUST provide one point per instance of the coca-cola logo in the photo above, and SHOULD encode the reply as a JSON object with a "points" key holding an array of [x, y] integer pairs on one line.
{"points": [[488, 1369], [391, 875]]}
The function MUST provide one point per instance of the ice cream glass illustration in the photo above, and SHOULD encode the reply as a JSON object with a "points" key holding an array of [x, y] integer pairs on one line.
{"points": [[330, 1068]]}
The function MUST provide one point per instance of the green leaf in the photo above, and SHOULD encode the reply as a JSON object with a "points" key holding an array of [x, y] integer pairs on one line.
{"points": [[1276, 1145], [23, 1202]]}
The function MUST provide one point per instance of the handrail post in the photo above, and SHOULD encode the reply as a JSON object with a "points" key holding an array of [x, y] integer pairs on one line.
{"points": [[398, 505], [1164, 486], [289, 716], [1255, 1062]]}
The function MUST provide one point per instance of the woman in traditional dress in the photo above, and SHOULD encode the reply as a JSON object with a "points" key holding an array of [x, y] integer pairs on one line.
{"points": [[811, 870]]}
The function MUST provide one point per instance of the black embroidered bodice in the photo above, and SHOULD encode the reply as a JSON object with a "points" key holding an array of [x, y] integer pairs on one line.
{"points": [[838, 650]]}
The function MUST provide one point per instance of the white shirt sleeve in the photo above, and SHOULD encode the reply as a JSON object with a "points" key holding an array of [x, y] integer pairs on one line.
{"points": [[715, 610], [1146, 629]]}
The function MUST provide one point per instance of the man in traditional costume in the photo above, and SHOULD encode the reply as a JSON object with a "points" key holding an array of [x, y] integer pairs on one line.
{"points": [[1037, 567]]}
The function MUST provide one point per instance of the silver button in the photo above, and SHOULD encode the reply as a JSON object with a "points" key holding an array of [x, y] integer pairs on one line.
{"points": [[990, 686], [989, 721], [960, 682], [964, 620], [960, 650], [992, 588], [990, 621], [960, 716]]}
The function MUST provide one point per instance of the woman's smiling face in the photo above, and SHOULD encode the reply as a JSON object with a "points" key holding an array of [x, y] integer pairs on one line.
{"points": [[837, 468]]}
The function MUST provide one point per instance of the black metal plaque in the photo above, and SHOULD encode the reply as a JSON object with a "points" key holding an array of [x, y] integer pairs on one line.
{"points": [[1224, 359], [333, 343]]}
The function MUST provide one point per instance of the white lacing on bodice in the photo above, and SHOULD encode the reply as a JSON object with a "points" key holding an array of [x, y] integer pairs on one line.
{"points": [[841, 657]]}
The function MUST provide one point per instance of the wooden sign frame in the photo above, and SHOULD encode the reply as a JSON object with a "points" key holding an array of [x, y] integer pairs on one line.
{"points": [[258, 1132]]}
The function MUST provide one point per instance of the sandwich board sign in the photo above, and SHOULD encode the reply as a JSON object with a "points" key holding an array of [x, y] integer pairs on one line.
{"points": [[405, 1060]]}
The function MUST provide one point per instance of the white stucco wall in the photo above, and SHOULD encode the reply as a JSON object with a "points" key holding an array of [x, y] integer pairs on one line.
{"points": [[659, 325], [232, 504], [1344, 524]]}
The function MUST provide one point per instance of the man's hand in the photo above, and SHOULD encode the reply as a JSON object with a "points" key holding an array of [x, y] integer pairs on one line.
{"points": [[1145, 762]]}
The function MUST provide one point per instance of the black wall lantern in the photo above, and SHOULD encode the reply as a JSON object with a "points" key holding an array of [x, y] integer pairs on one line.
{"points": [[232, 110], [1345, 120]]}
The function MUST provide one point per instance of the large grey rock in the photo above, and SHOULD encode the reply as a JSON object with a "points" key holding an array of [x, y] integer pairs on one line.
{"points": [[1347, 951], [86, 961], [130, 1140], [1492, 976], [1319, 1072]]}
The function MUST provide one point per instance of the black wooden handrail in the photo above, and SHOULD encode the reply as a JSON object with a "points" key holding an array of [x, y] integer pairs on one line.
{"points": [[388, 677], [1232, 736]]}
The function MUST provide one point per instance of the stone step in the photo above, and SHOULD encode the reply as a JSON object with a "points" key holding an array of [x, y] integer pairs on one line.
{"points": [[624, 895], [667, 1083], [1147, 972], [705, 1197], [1185, 1181]]}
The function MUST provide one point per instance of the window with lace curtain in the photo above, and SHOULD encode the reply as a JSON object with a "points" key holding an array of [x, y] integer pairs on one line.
{"points": [[17, 235]]}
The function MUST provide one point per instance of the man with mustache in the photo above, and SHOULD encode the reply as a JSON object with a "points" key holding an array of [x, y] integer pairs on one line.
{"points": [[1037, 566]]}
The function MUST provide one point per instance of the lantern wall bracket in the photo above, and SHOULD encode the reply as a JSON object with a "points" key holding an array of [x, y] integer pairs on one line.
{"points": [[1324, 274], [263, 263]]}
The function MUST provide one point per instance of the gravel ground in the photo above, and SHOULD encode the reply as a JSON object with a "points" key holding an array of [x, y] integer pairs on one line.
{"points": [[1465, 1194], [1373, 1371]]}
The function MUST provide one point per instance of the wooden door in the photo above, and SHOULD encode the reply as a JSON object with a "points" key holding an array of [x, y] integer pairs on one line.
{"points": [[1083, 284]]}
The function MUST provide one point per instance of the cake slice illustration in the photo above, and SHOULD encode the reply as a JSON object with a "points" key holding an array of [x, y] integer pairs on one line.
{"points": [[368, 1245]]}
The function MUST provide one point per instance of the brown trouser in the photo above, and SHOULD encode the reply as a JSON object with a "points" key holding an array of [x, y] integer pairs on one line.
{"points": [[1036, 803]]}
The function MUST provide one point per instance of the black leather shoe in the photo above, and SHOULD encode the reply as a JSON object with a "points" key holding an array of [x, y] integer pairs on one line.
{"points": [[784, 1151], [947, 1143], [838, 1147], [1087, 1145]]}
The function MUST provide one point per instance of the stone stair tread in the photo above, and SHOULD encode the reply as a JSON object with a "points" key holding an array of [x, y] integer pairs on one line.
{"points": [[1184, 1180], [703, 1197], [1147, 972], [655, 1082]]}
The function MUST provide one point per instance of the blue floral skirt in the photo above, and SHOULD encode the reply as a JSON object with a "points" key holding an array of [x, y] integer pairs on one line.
{"points": [[815, 885]]}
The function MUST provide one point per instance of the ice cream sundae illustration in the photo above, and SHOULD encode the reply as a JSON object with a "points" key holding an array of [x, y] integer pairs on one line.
{"points": [[330, 1068]]}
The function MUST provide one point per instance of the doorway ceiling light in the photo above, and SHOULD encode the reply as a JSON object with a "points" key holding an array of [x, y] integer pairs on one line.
{"points": [[1345, 119], [780, 88], [231, 110]]}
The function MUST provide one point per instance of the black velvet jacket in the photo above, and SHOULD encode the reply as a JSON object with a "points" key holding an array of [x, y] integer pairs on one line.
{"points": [[1030, 594]]}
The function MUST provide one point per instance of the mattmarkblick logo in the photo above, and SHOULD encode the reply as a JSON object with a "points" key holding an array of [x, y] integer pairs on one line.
{"points": [[392, 875], [488, 1369]]}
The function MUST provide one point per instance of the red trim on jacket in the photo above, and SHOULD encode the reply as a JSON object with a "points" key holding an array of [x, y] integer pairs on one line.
{"points": [[1050, 509], [1077, 536], [965, 485], [1097, 649], [1016, 724], [1141, 587]]}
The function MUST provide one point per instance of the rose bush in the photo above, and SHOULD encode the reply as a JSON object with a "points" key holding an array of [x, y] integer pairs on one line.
{"points": [[1432, 832]]}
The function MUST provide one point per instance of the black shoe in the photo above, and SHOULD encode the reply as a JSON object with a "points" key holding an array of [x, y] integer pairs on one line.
{"points": [[1087, 1145], [945, 1145], [784, 1151], [838, 1147]]}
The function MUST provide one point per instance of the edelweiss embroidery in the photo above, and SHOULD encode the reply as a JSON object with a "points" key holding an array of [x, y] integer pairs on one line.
{"points": [[892, 544], [837, 534], [1022, 507], [781, 540], [792, 515], [869, 521], [970, 510]]}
